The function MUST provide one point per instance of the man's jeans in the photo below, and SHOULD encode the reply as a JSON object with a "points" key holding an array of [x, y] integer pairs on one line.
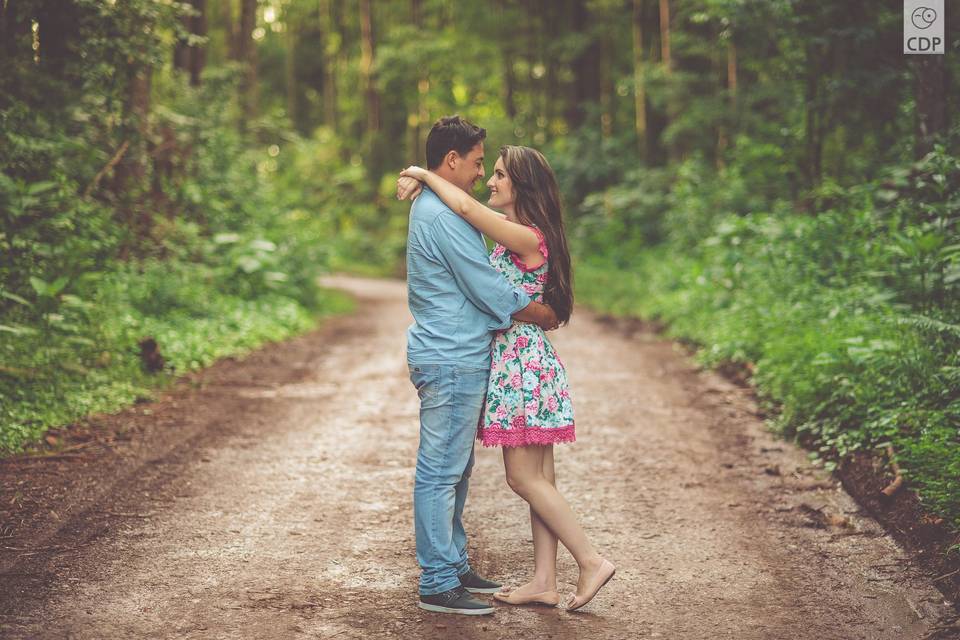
{"points": [[451, 398]]}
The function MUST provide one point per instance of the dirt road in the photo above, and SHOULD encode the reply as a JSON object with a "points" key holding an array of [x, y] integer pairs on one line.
{"points": [[274, 501]]}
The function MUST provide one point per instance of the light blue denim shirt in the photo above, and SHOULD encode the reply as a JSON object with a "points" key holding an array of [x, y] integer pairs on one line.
{"points": [[457, 299]]}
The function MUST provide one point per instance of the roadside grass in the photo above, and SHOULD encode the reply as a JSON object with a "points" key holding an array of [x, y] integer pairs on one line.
{"points": [[86, 358], [837, 362]]}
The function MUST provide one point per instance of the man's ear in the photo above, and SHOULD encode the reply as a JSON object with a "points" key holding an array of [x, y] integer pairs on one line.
{"points": [[451, 158]]}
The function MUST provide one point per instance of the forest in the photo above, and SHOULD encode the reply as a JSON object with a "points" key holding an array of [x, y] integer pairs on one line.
{"points": [[774, 182]]}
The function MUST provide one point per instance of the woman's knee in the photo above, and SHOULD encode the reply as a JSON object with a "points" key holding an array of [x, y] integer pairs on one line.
{"points": [[522, 482]]}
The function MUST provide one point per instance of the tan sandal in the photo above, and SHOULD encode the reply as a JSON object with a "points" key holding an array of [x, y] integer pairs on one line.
{"points": [[600, 578], [551, 598]]}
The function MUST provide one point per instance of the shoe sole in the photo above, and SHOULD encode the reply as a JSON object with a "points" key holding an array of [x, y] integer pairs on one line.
{"points": [[483, 589], [466, 612]]}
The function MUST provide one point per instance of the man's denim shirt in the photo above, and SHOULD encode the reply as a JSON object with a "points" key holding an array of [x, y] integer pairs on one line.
{"points": [[457, 299]]}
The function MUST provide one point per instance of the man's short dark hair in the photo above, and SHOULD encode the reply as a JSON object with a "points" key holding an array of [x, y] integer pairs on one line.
{"points": [[452, 133]]}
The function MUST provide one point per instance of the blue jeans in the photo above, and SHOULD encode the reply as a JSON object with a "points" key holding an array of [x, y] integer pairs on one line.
{"points": [[451, 398]]}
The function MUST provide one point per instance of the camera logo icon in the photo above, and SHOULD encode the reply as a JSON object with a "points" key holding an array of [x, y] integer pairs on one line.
{"points": [[923, 17]]}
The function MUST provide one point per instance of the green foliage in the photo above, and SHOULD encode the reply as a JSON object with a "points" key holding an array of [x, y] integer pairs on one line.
{"points": [[752, 208], [85, 358], [849, 317], [211, 244]]}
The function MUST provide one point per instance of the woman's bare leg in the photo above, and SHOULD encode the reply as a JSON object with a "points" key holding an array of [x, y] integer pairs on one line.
{"points": [[544, 541], [523, 466]]}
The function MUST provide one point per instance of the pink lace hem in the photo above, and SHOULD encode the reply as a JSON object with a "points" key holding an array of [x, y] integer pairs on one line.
{"points": [[526, 436], [543, 251]]}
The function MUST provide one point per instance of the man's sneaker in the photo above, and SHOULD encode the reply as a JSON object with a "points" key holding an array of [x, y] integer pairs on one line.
{"points": [[456, 600], [475, 584]]}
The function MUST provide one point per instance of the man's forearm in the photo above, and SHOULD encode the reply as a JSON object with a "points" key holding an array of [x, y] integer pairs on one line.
{"points": [[539, 314]]}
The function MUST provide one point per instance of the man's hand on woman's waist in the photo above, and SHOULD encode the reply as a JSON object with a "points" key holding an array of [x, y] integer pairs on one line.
{"points": [[539, 314]]}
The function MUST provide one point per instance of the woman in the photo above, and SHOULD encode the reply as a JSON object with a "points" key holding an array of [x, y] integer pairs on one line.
{"points": [[528, 407]]}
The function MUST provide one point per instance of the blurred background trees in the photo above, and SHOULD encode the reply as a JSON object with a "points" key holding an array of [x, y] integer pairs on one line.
{"points": [[774, 178]]}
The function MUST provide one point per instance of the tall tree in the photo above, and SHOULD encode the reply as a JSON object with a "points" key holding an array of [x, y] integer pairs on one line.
{"points": [[290, 67], [246, 54], [665, 36], [815, 112], [509, 77], [190, 55], [417, 118], [639, 80], [666, 61], [330, 41], [585, 88], [932, 116], [57, 35], [732, 70], [367, 52]]}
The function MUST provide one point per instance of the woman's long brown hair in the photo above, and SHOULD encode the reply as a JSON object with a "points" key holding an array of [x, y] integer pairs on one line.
{"points": [[537, 199]]}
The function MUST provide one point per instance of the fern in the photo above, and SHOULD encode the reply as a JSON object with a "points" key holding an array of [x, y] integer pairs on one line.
{"points": [[931, 325]]}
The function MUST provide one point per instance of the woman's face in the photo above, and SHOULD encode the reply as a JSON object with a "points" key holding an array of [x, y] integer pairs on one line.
{"points": [[501, 188]]}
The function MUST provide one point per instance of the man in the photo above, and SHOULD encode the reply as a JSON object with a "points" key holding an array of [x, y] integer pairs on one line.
{"points": [[457, 300]]}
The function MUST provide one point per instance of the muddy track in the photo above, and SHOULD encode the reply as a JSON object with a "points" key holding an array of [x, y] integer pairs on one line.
{"points": [[271, 498]]}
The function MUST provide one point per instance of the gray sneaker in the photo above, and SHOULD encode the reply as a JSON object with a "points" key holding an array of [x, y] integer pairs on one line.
{"points": [[475, 584], [456, 600]]}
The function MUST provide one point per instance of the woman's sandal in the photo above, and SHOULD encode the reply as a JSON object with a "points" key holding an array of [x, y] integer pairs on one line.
{"points": [[600, 578], [550, 598]]}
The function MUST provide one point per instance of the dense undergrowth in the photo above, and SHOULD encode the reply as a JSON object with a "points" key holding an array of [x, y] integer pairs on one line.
{"points": [[848, 312], [219, 255]]}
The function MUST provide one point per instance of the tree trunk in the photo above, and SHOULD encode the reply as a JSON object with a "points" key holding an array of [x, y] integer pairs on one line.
{"points": [[932, 117], [247, 56], [509, 79], [416, 119], [131, 172], [331, 47], [290, 72], [673, 149], [367, 50], [6, 34], [813, 127], [732, 71], [554, 24], [606, 89], [192, 58], [16, 40], [665, 36], [57, 34], [231, 28], [532, 53], [139, 110], [723, 136], [199, 61], [586, 81], [639, 89], [374, 142]]}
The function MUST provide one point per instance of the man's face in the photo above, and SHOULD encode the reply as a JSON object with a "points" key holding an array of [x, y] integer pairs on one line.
{"points": [[469, 168]]}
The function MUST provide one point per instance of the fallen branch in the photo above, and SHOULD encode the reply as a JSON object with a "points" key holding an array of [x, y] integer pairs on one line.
{"points": [[56, 547], [946, 575], [894, 486], [41, 458], [939, 631], [107, 167]]}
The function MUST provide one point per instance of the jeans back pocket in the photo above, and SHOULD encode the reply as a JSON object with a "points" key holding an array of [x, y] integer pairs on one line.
{"points": [[426, 378]]}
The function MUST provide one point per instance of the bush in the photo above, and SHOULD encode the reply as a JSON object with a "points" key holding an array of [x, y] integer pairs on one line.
{"points": [[849, 317]]}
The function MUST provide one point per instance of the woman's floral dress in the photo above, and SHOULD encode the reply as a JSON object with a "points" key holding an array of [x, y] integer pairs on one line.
{"points": [[528, 398]]}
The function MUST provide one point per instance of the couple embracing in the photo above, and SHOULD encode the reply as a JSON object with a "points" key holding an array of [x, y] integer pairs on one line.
{"points": [[483, 365]]}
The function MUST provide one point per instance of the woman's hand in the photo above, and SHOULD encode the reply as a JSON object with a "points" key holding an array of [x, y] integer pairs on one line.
{"points": [[408, 188], [415, 172]]}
